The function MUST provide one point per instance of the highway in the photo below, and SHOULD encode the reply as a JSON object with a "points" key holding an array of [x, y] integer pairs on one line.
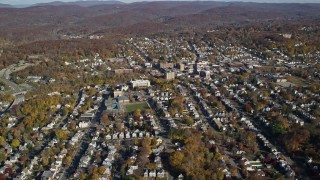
{"points": [[16, 90]]}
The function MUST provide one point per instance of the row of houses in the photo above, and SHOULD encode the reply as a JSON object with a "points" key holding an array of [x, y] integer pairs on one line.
{"points": [[128, 135], [108, 162], [284, 165], [55, 167], [154, 173]]}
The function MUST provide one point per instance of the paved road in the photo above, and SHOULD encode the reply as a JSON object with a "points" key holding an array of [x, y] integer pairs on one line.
{"points": [[17, 91], [84, 142], [6, 72]]}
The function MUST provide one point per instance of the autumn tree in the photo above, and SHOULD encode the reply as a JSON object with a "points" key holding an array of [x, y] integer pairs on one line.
{"points": [[176, 159], [248, 108], [189, 121], [45, 160], [3, 156], [144, 151], [295, 140], [101, 169], [137, 114], [3, 142], [67, 160], [176, 105], [15, 143], [61, 134], [3, 177], [105, 119], [196, 161]]}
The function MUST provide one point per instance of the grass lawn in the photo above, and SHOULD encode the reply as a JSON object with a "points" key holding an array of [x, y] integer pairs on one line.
{"points": [[296, 80], [134, 106]]}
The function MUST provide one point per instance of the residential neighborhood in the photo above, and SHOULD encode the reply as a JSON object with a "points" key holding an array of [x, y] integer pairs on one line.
{"points": [[184, 107]]}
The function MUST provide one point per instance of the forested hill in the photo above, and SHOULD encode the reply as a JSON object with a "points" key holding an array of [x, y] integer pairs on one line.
{"points": [[54, 20]]}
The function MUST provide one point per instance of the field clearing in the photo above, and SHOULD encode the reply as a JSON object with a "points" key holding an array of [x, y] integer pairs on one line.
{"points": [[297, 81], [134, 106]]}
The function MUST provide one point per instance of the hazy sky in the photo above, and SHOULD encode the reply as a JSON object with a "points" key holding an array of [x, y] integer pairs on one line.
{"points": [[43, 1]]}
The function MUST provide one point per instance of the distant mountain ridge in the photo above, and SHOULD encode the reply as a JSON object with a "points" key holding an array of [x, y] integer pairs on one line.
{"points": [[79, 3], [57, 19], [5, 6]]}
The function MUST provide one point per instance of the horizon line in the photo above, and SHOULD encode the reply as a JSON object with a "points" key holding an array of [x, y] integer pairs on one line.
{"points": [[130, 2]]}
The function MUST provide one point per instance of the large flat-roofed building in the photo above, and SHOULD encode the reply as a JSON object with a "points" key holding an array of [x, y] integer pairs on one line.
{"points": [[123, 99], [113, 106], [140, 83], [86, 117], [123, 71], [181, 66], [117, 93], [166, 65], [170, 75]]}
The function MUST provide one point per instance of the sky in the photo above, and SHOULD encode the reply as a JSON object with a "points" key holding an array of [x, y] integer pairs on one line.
{"points": [[15, 2]]}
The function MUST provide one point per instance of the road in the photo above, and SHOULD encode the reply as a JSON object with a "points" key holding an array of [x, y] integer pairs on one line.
{"points": [[6, 72], [84, 142], [265, 131], [17, 91]]}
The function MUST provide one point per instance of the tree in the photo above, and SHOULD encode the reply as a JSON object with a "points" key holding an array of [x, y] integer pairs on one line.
{"points": [[15, 143], [105, 119], [196, 161], [65, 111], [137, 113], [101, 169], [176, 105], [146, 142], [3, 142], [313, 88], [142, 157], [83, 176], [295, 140], [176, 159], [248, 108], [249, 140], [147, 111], [3, 156], [2, 177], [212, 58], [283, 122], [44, 160], [61, 134], [189, 121], [119, 126], [67, 160], [72, 125], [172, 111]]}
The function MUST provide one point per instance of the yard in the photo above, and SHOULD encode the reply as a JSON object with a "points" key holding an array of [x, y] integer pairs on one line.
{"points": [[134, 106], [297, 81]]}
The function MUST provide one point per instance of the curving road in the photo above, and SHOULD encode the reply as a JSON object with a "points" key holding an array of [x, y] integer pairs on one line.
{"points": [[17, 91]]}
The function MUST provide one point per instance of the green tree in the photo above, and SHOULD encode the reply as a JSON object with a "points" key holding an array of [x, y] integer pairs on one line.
{"points": [[15, 143], [3, 156], [83, 176], [189, 121], [61, 134], [2, 141]]}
